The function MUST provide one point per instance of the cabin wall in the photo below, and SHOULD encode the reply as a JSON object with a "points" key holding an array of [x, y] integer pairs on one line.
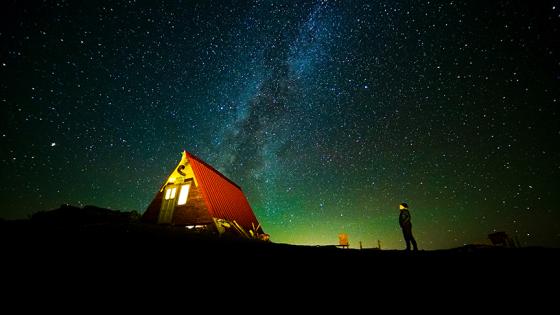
{"points": [[194, 211]]}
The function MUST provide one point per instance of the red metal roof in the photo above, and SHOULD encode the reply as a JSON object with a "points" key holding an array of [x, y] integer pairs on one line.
{"points": [[223, 197]]}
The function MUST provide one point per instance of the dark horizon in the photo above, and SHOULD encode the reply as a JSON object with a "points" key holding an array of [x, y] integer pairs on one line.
{"points": [[327, 114]]}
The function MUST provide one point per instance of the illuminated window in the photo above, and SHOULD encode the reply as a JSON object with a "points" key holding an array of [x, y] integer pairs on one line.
{"points": [[183, 194], [170, 193]]}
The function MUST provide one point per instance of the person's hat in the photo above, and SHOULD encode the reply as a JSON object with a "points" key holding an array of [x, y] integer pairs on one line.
{"points": [[404, 205]]}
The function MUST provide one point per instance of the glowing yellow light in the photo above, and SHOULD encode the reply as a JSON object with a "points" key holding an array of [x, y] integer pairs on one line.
{"points": [[173, 191], [167, 194], [183, 194], [343, 239]]}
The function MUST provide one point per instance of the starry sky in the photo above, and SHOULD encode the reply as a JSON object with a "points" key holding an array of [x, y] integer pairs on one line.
{"points": [[327, 113]]}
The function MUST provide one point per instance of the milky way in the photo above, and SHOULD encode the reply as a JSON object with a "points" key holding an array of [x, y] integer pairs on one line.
{"points": [[327, 113]]}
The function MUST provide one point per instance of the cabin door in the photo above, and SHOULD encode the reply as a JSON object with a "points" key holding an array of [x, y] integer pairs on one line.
{"points": [[168, 204]]}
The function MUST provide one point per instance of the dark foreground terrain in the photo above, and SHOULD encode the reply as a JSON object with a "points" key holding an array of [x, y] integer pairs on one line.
{"points": [[93, 241]]}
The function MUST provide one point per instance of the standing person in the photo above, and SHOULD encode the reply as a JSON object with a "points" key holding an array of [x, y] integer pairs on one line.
{"points": [[406, 226]]}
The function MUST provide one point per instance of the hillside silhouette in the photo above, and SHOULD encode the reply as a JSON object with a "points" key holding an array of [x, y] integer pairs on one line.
{"points": [[93, 238]]}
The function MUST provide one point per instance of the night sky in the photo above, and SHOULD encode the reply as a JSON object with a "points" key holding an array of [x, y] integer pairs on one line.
{"points": [[327, 113]]}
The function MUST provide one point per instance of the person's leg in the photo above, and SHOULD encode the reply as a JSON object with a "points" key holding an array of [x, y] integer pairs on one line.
{"points": [[406, 235], [413, 240]]}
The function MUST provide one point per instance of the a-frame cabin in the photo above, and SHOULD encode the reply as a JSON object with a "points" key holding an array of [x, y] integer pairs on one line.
{"points": [[197, 195]]}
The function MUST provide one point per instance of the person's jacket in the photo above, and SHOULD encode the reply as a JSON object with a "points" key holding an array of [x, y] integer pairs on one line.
{"points": [[404, 219]]}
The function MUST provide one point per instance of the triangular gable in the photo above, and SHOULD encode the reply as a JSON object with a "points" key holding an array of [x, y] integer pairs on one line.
{"points": [[182, 172]]}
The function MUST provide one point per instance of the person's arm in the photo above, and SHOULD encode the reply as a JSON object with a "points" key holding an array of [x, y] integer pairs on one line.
{"points": [[405, 218], [402, 218]]}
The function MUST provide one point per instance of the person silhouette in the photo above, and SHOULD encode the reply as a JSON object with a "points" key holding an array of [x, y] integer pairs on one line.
{"points": [[406, 226]]}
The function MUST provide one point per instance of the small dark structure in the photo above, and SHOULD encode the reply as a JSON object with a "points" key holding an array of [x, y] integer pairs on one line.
{"points": [[501, 239]]}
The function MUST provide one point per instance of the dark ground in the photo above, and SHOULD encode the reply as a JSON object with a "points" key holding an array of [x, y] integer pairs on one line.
{"points": [[91, 245]]}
